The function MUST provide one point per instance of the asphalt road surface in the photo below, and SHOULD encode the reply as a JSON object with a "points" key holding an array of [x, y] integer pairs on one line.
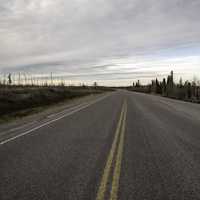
{"points": [[123, 146]]}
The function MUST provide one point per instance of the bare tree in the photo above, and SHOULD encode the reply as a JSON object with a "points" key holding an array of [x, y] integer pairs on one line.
{"points": [[9, 79]]}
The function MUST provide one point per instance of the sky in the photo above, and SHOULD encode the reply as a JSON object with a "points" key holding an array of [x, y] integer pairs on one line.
{"points": [[112, 42]]}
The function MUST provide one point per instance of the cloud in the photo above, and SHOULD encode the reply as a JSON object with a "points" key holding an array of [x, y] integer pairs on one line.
{"points": [[99, 36]]}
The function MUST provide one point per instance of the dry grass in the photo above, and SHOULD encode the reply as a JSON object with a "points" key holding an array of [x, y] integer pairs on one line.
{"points": [[18, 100]]}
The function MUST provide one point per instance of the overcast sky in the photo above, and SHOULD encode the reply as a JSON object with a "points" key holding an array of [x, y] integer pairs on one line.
{"points": [[108, 41]]}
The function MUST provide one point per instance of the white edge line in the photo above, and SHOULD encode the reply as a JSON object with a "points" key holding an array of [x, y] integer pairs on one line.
{"points": [[47, 117], [66, 110], [49, 122]]}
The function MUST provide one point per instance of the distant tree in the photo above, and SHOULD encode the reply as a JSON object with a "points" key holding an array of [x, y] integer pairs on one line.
{"points": [[138, 83], [9, 79], [164, 86], [83, 85], [158, 87], [51, 79], [19, 79], [172, 78], [188, 89], [95, 84], [170, 84], [180, 83]]}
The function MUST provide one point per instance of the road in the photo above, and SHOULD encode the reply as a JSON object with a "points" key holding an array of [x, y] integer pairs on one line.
{"points": [[123, 146]]}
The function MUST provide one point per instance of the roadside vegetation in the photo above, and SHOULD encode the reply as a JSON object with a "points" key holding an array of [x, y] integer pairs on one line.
{"points": [[22, 99], [187, 91]]}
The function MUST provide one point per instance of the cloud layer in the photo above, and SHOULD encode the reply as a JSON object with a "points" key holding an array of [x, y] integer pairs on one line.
{"points": [[106, 40]]}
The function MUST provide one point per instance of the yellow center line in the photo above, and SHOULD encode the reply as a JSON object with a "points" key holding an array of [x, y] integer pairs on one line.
{"points": [[107, 169], [117, 169]]}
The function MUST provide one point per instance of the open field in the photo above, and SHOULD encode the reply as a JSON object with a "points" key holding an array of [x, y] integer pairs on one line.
{"points": [[18, 101]]}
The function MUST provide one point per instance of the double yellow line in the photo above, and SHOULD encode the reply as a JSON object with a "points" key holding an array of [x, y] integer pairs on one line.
{"points": [[116, 160]]}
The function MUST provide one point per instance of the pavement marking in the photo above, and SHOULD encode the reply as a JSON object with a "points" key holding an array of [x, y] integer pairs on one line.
{"points": [[66, 110], [48, 117], [104, 180], [117, 169], [51, 121], [18, 127]]}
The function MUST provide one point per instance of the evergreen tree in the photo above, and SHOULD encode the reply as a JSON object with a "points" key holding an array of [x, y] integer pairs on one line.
{"points": [[164, 86], [180, 83]]}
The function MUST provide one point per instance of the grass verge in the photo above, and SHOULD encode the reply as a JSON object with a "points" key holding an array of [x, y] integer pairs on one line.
{"points": [[18, 102]]}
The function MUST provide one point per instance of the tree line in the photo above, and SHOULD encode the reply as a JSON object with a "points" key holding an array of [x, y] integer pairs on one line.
{"points": [[27, 80], [167, 87], [23, 79]]}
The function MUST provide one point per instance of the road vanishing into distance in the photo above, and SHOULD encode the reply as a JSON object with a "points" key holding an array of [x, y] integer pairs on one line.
{"points": [[122, 145]]}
